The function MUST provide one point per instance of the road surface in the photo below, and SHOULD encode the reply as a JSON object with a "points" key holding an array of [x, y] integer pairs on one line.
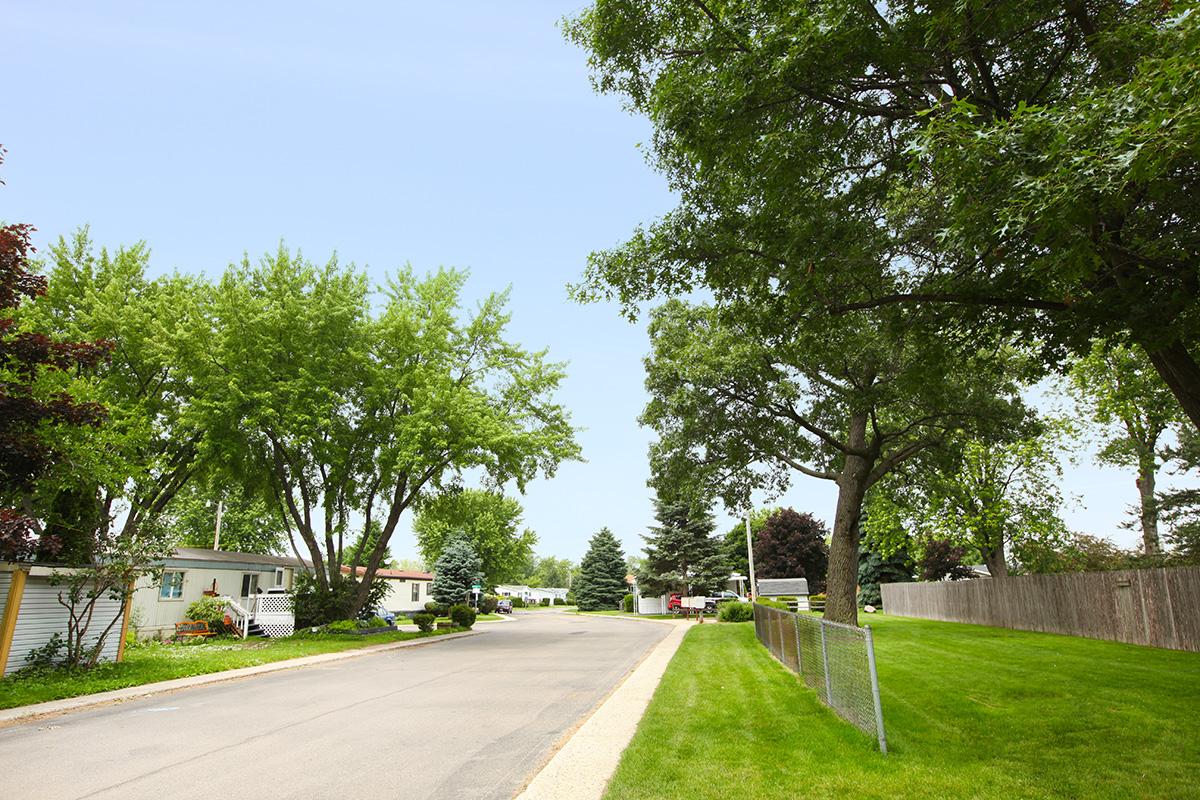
{"points": [[462, 720]]}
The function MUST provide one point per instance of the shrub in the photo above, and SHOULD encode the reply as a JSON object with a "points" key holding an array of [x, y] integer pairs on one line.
{"points": [[210, 610], [735, 611], [518, 602], [570, 598], [462, 615], [817, 598], [487, 604], [342, 626], [769, 603], [558, 601], [313, 606], [437, 609], [377, 622], [545, 601], [424, 620], [627, 603]]}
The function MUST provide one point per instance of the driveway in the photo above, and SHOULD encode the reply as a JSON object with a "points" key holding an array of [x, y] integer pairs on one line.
{"points": [[464, 719]]}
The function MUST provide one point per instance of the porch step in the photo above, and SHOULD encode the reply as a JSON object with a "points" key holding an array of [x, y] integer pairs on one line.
{"points": [[254, 629]]}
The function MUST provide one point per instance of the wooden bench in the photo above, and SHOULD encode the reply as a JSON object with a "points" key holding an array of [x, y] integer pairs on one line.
{"points": [[190, 627]]}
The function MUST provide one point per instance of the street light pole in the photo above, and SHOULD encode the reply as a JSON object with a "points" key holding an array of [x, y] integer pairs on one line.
{"points": [[750, 555]]}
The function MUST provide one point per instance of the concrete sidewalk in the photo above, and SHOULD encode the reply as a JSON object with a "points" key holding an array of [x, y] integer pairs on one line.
{"points": [[12, 716], [582, 767]]}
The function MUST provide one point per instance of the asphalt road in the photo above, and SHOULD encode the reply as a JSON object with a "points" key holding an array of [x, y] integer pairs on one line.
{"points": [[463, 720]]}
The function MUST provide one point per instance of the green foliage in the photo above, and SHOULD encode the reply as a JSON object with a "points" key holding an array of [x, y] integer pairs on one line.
{"points": [[769, 603], [682, 555], [517, 602], [314, 605], [941, 560], [488, 520], [248, 523], [559, 601], [343, 626], [358, 551], [375, 622], [455, 572], [345, 405], [601, 581], [735, 541], [487, 604], [1035, 179], [462, 615], [875, 568], [627, 603], [424, 621], [210, 610], [47, 657], [735, 611], [437, 609], [544, 602], [550, 572]]}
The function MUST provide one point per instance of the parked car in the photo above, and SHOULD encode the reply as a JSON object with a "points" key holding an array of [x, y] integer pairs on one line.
{"points": [[504, 606], [725, 596]]}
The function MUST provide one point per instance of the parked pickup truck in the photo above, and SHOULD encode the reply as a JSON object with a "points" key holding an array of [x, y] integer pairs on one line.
{"points": [[675, 601]]}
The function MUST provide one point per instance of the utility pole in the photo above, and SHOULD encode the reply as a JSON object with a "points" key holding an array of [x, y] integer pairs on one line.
{"points": [[750, 554], [217, 535]]}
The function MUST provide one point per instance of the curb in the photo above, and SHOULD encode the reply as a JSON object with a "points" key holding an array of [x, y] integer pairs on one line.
{"points": [[585, 762], [21, 714]]}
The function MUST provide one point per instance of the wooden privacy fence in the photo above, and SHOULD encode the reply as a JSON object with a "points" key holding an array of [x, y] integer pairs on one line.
{"points": [[1156, 607]]}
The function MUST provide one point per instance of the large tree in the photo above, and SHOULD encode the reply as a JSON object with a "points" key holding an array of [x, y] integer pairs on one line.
{"points": [[1029, 164], [490, 521], [248, 523], [1116, 386], [743, 399], [601, 583], [682, 553], [349, 407], [153, 442], [43, 410], [457, 569], [792, 545]]}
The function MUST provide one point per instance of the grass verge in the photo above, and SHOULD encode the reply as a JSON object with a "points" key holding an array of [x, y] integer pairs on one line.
{"points": [[970, 711], [162, 661]]}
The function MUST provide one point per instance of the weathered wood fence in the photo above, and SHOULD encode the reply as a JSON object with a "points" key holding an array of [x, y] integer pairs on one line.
{"points": [[1157, 607]]}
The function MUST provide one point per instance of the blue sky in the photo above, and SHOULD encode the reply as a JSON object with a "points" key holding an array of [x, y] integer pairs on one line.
{"points": [[460, 134]]}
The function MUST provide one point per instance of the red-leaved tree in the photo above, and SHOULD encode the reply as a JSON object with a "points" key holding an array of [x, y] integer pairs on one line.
{"points": [[792, 545], [27, 415]]}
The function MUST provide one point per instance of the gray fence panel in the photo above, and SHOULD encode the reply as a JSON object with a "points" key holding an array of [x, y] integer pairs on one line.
{"points": [[1158, 607], [836, 661]]}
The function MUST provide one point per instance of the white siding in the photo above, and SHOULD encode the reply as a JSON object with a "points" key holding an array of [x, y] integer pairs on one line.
{"points": [[157, 617], [399, 597], [41, 616]]}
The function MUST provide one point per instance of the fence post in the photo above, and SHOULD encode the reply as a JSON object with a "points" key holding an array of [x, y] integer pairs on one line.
{"points": [[875, 688], [825, 658], [799, 656]]}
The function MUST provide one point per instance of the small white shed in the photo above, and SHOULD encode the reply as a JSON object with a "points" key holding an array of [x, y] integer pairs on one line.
{"points": [[775, 588]]}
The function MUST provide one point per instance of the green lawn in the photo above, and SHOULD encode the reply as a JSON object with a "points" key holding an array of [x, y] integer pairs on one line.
{"points": [[159, 661], [970, 712]]}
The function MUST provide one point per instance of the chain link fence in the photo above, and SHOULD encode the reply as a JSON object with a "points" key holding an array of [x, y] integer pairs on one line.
{"points": [[835, 660]]}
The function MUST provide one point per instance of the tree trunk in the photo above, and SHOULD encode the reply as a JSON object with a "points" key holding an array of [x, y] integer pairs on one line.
{"points": [[1181, 373], [994, 558], [841, 586], [1149, 512]]}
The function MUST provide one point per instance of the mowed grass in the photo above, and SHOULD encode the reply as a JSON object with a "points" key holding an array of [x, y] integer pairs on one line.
{"points": [[160, 661], [970, 712]]}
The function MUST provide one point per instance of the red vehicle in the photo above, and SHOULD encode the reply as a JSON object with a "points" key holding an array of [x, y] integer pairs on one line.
{"points": [[675, 604]]}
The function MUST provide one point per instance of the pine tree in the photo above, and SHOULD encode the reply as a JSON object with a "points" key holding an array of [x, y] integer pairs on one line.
{"points": [[601, 583], [682, 555], [456, 570]]}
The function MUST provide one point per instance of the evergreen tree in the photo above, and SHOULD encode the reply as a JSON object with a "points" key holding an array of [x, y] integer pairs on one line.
{"points": [[682, 555], [457, 568], [874, 569], [601, 583]]}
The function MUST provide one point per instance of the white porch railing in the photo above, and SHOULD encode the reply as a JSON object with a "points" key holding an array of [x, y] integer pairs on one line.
{"points": [[273, 613], [239, 616]]}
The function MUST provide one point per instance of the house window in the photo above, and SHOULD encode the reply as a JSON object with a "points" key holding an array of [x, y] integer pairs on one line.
{"points": [[279, 576], [172, 586], [249, 584], [416, 594]]}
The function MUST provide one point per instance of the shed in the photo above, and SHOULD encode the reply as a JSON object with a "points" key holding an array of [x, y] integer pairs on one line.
{"points": [[775, 588], [31, 615]]}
